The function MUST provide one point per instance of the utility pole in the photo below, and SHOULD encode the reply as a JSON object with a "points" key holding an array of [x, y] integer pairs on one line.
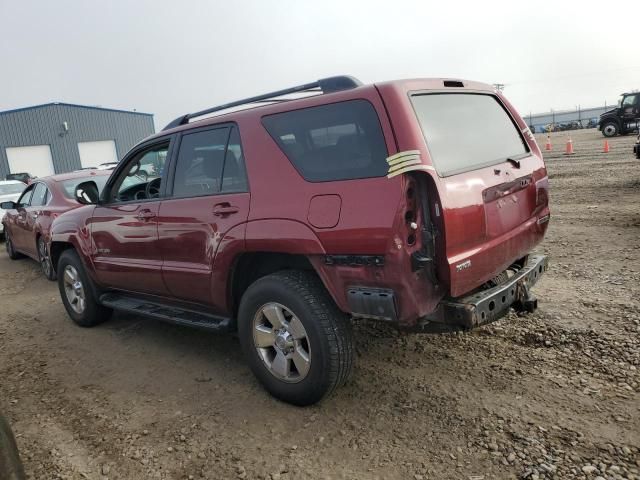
{"points": [[499, 86], [579, 119]]}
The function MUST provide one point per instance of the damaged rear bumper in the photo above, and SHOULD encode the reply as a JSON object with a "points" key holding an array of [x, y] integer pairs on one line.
{"points": [[489, 304]]}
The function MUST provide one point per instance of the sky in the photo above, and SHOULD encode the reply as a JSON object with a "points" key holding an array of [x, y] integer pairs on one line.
{"points": [[172, 57]]}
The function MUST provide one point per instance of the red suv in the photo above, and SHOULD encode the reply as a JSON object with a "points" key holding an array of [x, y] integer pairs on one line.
{"points": [[414, 202]]}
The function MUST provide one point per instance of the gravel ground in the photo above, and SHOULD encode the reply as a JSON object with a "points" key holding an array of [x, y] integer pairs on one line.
{"points": [[554, 394]]}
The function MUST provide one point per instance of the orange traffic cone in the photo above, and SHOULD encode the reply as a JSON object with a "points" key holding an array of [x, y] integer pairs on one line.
{"points": [[569, 149], [606, 147], [548, 145]]}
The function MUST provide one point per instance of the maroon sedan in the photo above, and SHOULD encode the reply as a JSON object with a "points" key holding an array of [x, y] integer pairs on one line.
{"points": [[27, 221]]}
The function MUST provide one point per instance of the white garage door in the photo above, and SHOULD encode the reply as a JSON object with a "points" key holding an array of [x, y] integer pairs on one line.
{"points": [[93, 154], [35, 160]]}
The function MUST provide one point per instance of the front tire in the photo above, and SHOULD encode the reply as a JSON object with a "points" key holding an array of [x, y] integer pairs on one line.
{"points": [[11, 251], [298, 343], [77, 292], [610, 129], [45, 260]]}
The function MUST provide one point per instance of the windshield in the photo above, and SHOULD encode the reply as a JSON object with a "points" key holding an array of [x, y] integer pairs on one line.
{"points": [[467, 131], [11, 188]]}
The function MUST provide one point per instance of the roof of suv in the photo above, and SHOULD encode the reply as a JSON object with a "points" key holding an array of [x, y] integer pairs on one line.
{"points": [[319, 96]]}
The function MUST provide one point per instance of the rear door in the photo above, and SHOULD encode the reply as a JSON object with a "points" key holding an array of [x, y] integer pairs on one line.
{"points": [[125, 224], [492, 183], [207, 198]]}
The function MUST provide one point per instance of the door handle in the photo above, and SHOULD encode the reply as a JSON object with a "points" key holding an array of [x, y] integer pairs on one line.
{"points": [[224, 209], [145, 215]]}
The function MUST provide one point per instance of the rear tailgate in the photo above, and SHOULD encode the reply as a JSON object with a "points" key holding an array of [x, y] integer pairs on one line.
{"points": [[492, 182]]}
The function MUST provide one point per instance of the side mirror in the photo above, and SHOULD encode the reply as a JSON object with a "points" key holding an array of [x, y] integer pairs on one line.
{"points": [[87, 193], [8, 205]]}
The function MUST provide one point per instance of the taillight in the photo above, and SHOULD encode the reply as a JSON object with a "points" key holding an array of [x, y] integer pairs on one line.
{"points": [[542, 192]]}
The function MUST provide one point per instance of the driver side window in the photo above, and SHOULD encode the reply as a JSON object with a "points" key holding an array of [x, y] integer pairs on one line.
{"points": [[142, 176]]}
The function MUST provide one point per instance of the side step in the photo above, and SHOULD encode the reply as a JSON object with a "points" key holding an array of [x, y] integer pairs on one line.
{"points": [[167, 313]]}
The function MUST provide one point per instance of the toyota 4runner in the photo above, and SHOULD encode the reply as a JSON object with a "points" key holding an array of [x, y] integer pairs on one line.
{"points": [[285, 220]]}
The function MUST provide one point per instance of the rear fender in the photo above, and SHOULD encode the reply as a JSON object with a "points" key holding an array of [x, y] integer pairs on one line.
{"points": [[295, 238]]}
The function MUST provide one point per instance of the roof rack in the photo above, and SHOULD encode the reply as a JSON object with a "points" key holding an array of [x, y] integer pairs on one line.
{"points": [[324, 85]]}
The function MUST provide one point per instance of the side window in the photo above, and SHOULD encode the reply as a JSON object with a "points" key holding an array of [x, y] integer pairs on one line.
{"points": [[200, 163], [142, 176], [25, 198], [629, 101], [234, 176], [39, 197], [339, 141]]}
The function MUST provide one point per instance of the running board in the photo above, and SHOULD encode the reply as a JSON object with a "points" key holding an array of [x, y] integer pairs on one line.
{"points": [[167, 313]]}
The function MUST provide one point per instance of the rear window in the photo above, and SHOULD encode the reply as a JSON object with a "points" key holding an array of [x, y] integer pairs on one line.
{"points": [[340, 141], [467, 131]]}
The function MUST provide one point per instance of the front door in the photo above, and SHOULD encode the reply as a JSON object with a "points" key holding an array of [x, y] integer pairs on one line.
{"points": [[630, 107], [124, 227], [207, 204], [18, 219], [32, 212]]}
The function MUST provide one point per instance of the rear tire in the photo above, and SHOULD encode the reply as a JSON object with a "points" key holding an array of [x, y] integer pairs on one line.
{"points": [[11, 251], [310, 339], [77, 292], [45, 260]]}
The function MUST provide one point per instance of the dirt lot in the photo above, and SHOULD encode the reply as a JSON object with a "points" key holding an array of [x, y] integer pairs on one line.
{"points": [[555, 394]]}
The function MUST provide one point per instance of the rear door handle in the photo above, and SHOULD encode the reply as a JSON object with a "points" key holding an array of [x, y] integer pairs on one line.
{"points": [[223, 209], [145, 215]]}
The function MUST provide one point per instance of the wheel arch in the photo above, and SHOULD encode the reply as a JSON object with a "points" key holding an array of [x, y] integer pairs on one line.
{"points": [[249, 267], [55, 251]]}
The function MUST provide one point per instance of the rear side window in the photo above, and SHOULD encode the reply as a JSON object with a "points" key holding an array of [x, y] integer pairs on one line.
{"points": [[340, 141], [467, 131]]}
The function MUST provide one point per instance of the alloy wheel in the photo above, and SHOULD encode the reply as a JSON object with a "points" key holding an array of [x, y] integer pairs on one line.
{"points": [[282, 343], [45, 261], [74, 289]]}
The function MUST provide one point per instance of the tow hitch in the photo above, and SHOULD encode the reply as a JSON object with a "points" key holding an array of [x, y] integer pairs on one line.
{"points": [[526, 302], [489, 304]]}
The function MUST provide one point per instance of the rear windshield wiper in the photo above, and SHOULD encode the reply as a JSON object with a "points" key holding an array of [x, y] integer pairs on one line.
{"points": [[514, 162]]}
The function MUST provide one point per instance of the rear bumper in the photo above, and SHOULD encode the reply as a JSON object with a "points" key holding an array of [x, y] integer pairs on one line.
{"points": [[490, 304]]}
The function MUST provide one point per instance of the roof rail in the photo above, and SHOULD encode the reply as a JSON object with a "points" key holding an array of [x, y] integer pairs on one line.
{"points": [[324, 85]]}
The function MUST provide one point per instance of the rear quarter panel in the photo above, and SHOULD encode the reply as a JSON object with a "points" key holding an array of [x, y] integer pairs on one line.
{"points": [[459, 211]]}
